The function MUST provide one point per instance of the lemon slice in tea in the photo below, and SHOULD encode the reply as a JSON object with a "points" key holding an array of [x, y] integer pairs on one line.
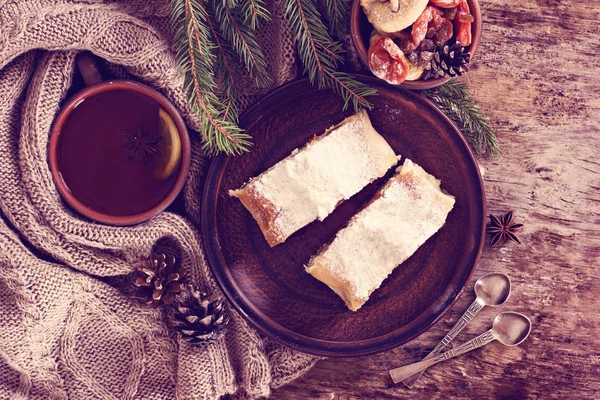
{"points": [[169, 146]]}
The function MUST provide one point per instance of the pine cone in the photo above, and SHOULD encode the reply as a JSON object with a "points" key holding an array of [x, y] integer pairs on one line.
{"points": [[452, 59], [159, 280], [198, 317]]}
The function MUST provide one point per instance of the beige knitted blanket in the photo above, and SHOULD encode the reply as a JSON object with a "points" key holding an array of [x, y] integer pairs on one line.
{"points": [[66, 331]]}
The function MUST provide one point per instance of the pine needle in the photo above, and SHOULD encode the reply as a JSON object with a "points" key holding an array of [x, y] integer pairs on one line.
{"points": [[454, 100], [348, 88], [230, 74], [244, 43], [229, 3], [215, 41], [254, 13], [320, 55], [337, 14], [195, 52]]}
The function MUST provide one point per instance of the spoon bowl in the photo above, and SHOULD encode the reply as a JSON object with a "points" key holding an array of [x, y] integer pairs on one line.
{"points": [[511, 328], [493, 289]]}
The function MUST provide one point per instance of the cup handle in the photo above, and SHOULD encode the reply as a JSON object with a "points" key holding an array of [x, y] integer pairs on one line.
{"points": [[88, 68]]}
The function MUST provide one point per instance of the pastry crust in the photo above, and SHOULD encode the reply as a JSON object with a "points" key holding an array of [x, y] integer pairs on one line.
{"points": [[313, 180], [408, 210], [263, 211]]}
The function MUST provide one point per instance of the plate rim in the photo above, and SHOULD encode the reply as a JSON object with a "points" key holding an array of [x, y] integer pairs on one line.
{"points": [[225, 280]]}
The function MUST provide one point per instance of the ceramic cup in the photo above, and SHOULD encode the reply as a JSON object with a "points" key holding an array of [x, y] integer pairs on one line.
{"points": [[73, 112]]}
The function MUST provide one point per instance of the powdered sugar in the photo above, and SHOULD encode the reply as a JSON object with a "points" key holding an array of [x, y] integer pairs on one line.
{"points": [[383, 235], [311, 182]]}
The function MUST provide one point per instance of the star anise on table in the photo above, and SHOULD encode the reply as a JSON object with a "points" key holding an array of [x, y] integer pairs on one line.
{"points": [[140, 144], [503, 229]]}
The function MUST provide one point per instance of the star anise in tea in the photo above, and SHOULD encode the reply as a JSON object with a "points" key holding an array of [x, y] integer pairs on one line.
{"points": [[140, 144], [503, 229]]}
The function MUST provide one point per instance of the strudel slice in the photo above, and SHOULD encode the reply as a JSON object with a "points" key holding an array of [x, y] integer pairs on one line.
{"points": [[408, 210], [312, 181]]}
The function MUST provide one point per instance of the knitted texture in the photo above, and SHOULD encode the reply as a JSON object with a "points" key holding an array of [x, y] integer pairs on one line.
{"points": [[66, 331]]}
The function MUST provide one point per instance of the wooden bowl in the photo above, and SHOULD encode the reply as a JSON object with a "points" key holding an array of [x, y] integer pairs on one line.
{"points": [[361, 28]]}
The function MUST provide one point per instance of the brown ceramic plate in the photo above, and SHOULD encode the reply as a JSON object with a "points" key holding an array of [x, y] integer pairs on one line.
{"points": [[269, 286]]}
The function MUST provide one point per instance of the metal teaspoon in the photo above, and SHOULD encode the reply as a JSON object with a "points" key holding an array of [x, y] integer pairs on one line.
{"points": [[491, 290], [509, 328]]}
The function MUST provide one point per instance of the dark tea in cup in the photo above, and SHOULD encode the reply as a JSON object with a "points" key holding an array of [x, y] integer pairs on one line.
{"points": [[119, 152]]}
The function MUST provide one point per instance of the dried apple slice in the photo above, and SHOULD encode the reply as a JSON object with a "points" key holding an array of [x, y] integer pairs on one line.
{"points": [[414, 72], [382, 16], [169, 147]]}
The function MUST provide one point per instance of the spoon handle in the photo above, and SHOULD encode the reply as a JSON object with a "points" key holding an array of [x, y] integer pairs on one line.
{"points": [[399, 374], [471, 312]]}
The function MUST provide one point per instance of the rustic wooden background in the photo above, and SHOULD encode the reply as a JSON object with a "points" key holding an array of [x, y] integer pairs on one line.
{"points": [[536, 76]]}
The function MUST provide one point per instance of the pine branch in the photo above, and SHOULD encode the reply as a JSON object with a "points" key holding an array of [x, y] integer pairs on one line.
{"points": [[454, 100], [229, 70], [349, 89], [337, 14], [231, 111], [215, 142], [254, 13], [191, 40], [194, 49], [244, 43], [229, 3], [321, 55]]}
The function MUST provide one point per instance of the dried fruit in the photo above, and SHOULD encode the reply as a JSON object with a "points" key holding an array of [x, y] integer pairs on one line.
{"points": [[424, 58], [413, 57], [432, 24], [463, 28], [403, 40], [465, 17], [450, 13], [430, 17], [427, 45], [387, 61], [434, 46], [444, 32], [414, 72], [383, 18], [445, 3], [432, 73]]}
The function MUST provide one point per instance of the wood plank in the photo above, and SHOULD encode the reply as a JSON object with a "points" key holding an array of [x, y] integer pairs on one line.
{"points": [[536, 77]]}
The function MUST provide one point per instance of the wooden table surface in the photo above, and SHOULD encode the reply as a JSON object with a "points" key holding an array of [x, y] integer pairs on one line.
{"points": [[536, 77]]}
